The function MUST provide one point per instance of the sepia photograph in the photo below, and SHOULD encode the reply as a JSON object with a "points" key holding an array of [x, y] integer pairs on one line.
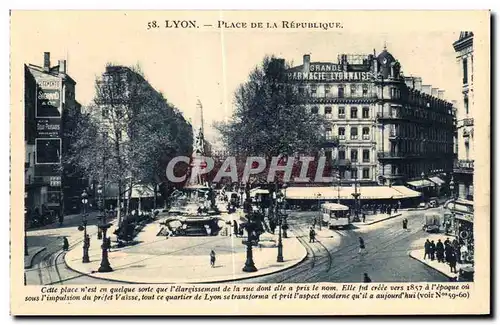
{"points": [[298, 154]]}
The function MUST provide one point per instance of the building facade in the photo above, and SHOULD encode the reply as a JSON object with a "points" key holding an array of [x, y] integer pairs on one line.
{"points": [[464, 165], [390, 128], [50, 108]]}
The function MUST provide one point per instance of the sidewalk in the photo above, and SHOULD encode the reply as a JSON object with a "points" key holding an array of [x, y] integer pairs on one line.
{"points": [[32, 252], [371, 219], [443, 268], [185, 259]]}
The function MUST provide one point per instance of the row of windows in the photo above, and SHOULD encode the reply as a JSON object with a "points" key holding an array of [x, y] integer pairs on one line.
{"points": [[414, 131], [354, 155], [354, 90], [341, 112], [365, 131], [354, 173]]}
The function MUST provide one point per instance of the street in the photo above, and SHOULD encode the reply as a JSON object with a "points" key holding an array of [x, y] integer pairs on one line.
{"points": [[334, 259], [385, 260]]}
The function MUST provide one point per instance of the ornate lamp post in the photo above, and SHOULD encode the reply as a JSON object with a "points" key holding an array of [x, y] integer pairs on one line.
{"points": [[86, 239], [281, 199], [452, 188], [106, 242], [318, 196], [356, 196], [252, 237], [25, 232]]}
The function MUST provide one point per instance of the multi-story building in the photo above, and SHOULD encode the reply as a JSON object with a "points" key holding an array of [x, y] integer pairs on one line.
{"points": [[464, 166], [50, 108], [391, 128]]}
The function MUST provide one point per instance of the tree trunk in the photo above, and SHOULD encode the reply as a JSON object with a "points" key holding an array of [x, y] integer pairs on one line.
{"points": [[118, 203], [155, 197]]}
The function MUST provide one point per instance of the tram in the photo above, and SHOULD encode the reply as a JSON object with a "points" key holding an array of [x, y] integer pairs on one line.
{"points": [[335, 215]]}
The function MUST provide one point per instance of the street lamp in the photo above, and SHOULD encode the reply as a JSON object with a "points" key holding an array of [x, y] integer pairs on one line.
{"points": [[356, 196], [25, 232], [318, 195], [100, 206], [452, 188], [103, 227], [86, 239], [281, 201], [251, 228]]}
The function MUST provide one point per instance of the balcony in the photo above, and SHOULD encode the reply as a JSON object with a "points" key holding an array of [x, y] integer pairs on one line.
{"points": [[468, 121], [393, 136], [463, 166], [330, 141], [391, 155]]}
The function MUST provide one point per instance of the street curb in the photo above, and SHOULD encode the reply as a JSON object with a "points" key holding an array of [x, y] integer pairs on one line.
{"points": [[30, 264], [380, 220], [439, 271], [206, 282]]}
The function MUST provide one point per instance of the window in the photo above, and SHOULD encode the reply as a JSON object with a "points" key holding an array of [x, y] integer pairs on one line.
{"points": [[354, 173], [354, 133], [464, 64], [29, 159], [327, 90], [353, 90], [314, 90], [366, 155], [328, 133], [366, 173], [314, 110], [341, 133], [48, 151], [341, 92], [328, 111], [341, 112], [341, 155], [366, 133], [354, 112], [354, 155], [466, 105], [366, 112], [365, 90]]}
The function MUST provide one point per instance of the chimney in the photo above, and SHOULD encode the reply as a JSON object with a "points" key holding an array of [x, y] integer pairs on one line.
{"points": [[434, 92], [409, 82], [426, 89], [307, 62], [62, 66], [417, 83], [441, 94], [46, 61]]}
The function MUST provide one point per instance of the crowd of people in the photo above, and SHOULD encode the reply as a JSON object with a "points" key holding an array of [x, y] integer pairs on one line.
{"points": [[444, 252]]}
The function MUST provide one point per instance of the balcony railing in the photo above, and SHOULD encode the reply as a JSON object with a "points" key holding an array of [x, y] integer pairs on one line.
{"points": [[389, 154], [464, 164], [393, 136], [468, 121]]}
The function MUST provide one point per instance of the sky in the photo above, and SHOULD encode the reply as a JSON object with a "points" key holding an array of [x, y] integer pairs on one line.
{"points": [[209, 63]]}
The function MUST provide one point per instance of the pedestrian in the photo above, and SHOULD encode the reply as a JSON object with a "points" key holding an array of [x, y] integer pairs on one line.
{"points": [[456, 249], [432, 250], [427, 249], [65, 243], [447, 242], [448, 251], [212, 258], [366, 278], [406, 221], [453, 262], [389, 210], [395, 209], [61, 218], [235, 228], [364, 218], [361, 245], [463, 253], [440, 251], [405, 224], [312, 235]]}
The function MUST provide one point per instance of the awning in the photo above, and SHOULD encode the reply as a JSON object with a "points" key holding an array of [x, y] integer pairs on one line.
{"points": [[421, 183], [460, 206], [436, 180], [465, 217], [334, 207], [345, 193], [257, 191]]}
